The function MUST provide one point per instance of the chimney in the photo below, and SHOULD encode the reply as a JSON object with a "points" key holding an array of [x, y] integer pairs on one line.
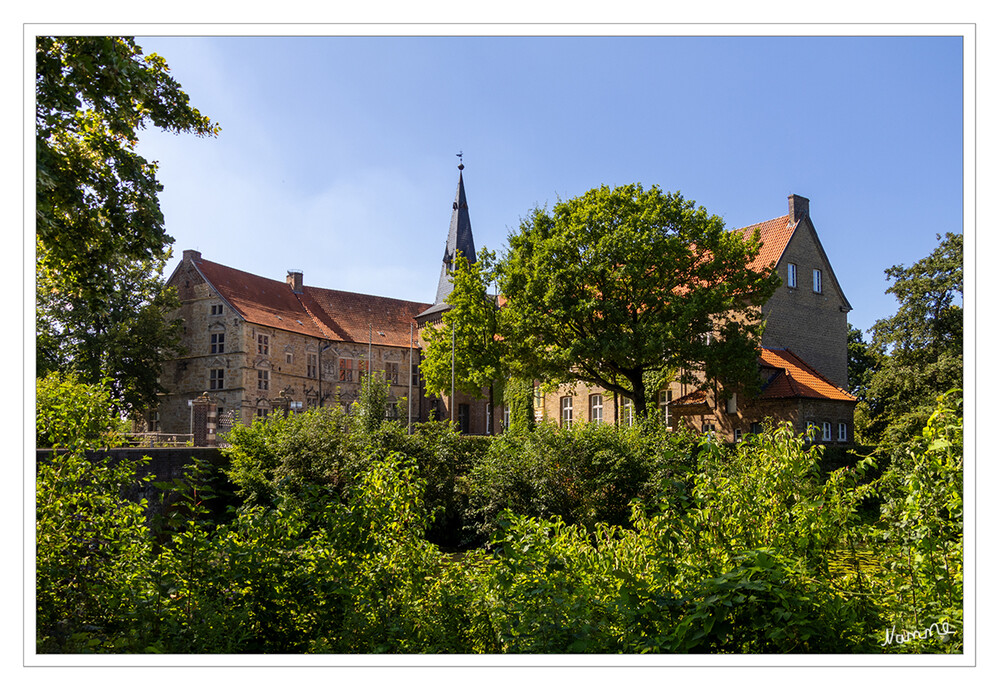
{"points": [[797, 207], [192, 255], [294, 281]]}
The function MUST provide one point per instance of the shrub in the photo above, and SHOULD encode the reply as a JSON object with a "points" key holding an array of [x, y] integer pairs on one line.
{"points": [[74, 415], [584, 475], [93, 557]]}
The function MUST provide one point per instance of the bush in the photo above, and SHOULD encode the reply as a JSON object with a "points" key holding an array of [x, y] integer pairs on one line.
{"points": [[584, 475], [922, 532], [93, 563], [74, 415]]}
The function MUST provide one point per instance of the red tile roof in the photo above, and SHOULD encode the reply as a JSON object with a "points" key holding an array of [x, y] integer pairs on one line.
{"points": [[316, 312], [793, 377], [775, 234], [790, 377]]}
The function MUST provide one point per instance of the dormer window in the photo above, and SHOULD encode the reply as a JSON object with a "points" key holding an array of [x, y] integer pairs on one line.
{"points": [[792, 275], [817, 281]]}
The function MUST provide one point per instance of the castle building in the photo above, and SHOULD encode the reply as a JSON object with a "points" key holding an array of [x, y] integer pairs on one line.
{"points": [[254, 344]]}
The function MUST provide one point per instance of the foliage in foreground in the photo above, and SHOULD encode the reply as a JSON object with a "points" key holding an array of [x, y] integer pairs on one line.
{"points": [[758, 553]]}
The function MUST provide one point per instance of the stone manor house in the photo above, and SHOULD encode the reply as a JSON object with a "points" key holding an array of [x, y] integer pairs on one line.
{"points": [[255, 344]]}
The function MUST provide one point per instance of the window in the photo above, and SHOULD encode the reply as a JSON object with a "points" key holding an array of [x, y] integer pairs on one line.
{"points": [[263, 344], [738, 435], [414, 375], [792, 275], [817, 281], [731, 405], [756, 428], [392, 373], [362, 369], [217, 343], [842, 432], [506, 417], [287, 358], [262, 411], [665, 398], [312, 366], [566, 411], [707, 428], [596, 408], [216, 309], [346, 370], [628, 412], [216, 379], [826, 431], [154, 420], [810, 431], [464, 418], [263, 380]]}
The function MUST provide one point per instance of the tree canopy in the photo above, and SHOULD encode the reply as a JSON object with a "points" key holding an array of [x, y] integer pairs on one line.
{"points": [[101, 244], [619, 283], [918, 353]]}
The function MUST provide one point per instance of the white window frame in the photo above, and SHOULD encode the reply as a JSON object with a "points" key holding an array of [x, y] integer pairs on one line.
{"points": [[792, 275], [565, 411], [843, 432], [628, 412], [817, 280], [596, 408], [826, 431]]}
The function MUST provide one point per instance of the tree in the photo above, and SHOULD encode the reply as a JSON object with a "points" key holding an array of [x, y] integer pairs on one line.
{"points": [[619, 283], [101, 244], [470, 329], [861, 362], [919, 351]]}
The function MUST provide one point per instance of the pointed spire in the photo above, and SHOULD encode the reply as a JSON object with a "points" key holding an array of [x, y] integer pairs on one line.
{"points": [[459, 238]]}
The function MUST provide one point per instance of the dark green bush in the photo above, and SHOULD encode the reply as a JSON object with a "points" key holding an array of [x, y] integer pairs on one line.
{"points": [[584, 475]]}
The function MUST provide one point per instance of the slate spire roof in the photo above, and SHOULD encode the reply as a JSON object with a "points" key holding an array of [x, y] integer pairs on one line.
{"points": [[459, 239]]}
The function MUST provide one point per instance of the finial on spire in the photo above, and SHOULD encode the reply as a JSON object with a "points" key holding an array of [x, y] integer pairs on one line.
{"points": [[461, 165]]}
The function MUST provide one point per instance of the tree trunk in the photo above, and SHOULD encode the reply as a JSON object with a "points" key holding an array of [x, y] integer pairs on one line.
{"points": [[638, 386]]}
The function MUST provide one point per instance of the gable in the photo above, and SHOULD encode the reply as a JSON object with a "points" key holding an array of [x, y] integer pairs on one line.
{"points": [[806, 251]]}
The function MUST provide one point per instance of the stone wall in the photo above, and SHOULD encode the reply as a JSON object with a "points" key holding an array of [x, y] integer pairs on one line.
{"points": [[165, 464]]}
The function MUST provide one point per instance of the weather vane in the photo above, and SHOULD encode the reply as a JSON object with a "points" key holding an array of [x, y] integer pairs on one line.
{"points": [[461, 164]]}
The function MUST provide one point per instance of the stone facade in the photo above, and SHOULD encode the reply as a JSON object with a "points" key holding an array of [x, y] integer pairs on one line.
{"points": [[251, 368]]}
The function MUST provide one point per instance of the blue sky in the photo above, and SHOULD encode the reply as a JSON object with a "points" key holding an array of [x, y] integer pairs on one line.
{"points": [[337, 154]]}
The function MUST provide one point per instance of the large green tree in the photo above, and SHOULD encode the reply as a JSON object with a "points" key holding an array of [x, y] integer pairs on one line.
{"points": [[919, 351], [619, 283], [466, 346], [101, 244]]}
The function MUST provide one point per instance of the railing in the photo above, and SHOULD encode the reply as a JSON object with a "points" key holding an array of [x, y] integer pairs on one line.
{"points": [[155, 439]]}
